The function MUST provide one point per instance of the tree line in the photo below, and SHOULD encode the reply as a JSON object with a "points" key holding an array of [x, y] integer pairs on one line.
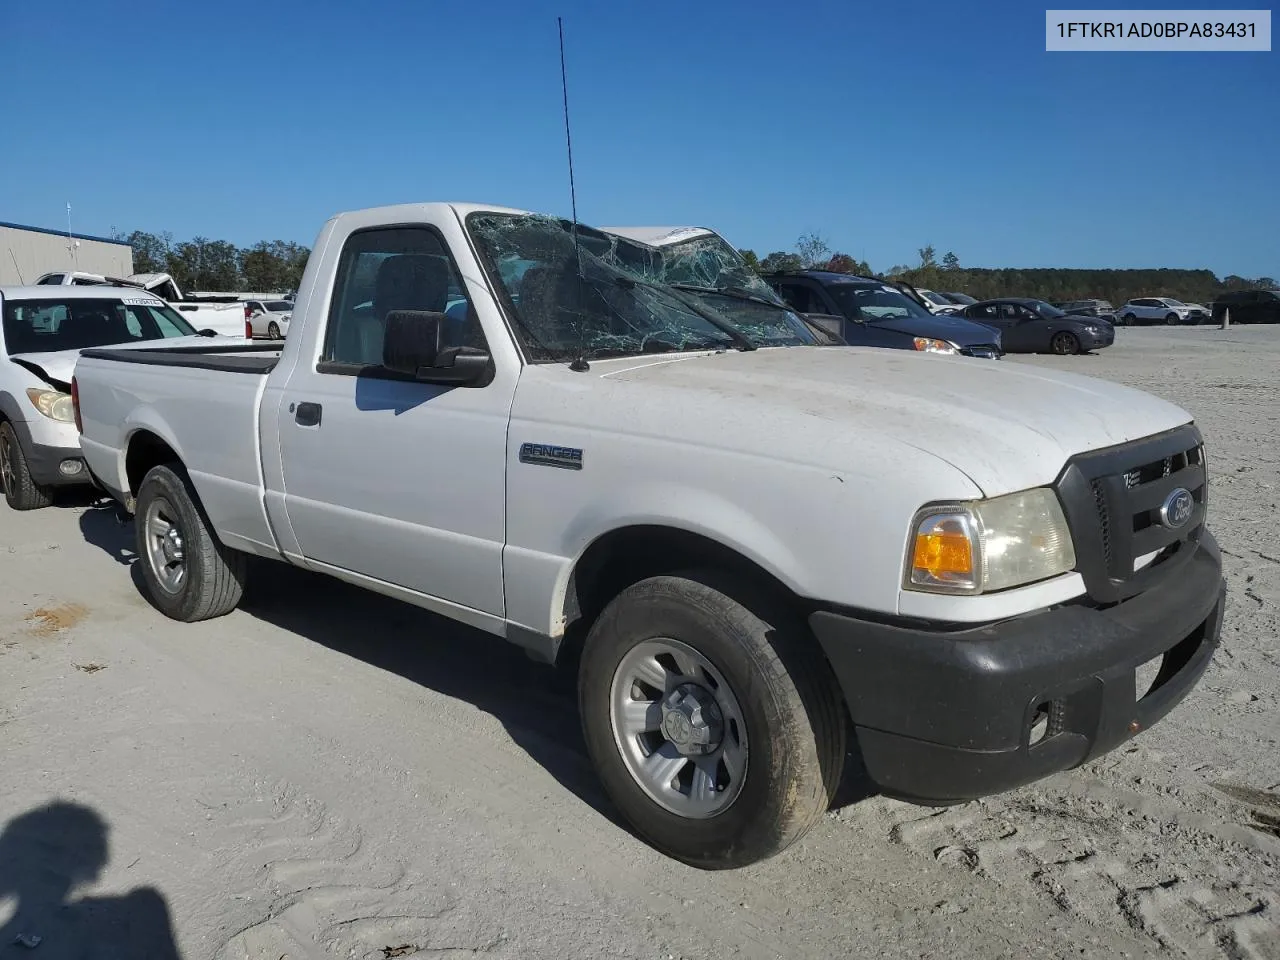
{"points": [[1046, 283], [277, 265], [271, 266]]}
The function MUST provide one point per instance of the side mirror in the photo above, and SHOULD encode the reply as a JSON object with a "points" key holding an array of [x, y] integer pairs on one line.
{"points": [[413, 346]]}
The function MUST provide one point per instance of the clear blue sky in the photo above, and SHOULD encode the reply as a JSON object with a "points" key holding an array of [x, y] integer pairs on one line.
{"points": [[884, 126]]}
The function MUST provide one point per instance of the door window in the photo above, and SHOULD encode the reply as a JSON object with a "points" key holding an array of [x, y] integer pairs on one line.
{"points": [[398, 268]]}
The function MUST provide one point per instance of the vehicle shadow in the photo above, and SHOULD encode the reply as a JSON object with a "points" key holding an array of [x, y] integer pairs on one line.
{"points": [[47, 856], [101, 526], [536, 703]]}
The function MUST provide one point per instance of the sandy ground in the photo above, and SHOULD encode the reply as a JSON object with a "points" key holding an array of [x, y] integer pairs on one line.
{"points": [[327, 773]]}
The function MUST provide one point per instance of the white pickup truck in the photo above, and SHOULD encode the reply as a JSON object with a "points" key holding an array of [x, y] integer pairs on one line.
{"points": [[757, 552], [224, 318]]}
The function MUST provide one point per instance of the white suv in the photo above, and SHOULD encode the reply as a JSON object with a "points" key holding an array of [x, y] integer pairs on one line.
{"points": [[42, 332], [1161, 310]]}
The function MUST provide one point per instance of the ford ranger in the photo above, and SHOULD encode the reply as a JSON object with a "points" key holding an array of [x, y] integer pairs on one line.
{"points": [[759, 553]]}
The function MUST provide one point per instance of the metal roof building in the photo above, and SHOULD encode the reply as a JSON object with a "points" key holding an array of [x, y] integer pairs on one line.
{"points": [[28, 252]]}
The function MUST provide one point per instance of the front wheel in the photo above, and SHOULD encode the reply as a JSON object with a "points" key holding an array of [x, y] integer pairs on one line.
{"points": [[21, 492], [273, 331], [188, 573], [1171, 319], [715, 727], [1064, 344], [1127, 320]]}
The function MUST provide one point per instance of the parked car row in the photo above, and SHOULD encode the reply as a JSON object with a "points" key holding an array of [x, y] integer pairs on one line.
{"points": [[624, 452]]}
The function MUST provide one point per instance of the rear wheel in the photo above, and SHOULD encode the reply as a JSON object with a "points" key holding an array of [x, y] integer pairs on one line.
{"points": [[189, 574], [273, 331], [715, 727], [1064, 343], [20, 491]]}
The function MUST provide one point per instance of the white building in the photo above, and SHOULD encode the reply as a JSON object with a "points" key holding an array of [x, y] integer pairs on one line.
{"points": [[28, 252]]}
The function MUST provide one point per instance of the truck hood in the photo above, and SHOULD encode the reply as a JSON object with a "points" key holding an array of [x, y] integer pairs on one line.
{"points": [[1007, 426], [57, 367]]}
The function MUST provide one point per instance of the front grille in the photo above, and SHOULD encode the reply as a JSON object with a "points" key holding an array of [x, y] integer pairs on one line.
{"points": [[1113, 500], [1104, 520]]}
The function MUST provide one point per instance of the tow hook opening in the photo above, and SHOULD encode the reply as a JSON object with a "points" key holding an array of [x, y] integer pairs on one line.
{"points": [[1039, 727], [1047, 720]]}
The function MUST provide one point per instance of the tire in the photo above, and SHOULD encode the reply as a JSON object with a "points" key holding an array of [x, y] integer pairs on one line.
{"points": [[1127, 320], [213, 575], [1171, 319], [273, 331], [20, 491], [790, 742], [1064, 343]]}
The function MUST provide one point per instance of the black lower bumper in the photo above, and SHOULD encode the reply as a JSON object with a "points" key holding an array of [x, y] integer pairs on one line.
{"points": [[944, 716], [44, 463]]}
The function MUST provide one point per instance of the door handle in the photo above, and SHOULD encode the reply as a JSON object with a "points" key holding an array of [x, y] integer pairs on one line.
{"points": [[306, 414]]}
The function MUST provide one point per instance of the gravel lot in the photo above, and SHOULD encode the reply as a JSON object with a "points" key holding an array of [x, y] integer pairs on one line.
{"points": [[327, 773]]}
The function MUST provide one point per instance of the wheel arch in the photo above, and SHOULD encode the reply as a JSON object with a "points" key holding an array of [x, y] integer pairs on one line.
{"points": [[144, 450], [628, 554]]}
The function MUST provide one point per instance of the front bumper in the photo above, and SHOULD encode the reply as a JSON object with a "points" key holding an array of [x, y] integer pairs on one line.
{"points": [[44, 461], [1105, 337], [946, 716]]}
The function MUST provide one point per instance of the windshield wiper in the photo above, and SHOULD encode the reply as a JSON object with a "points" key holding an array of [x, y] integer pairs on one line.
{"points": [[732, 293], [746, 296], [740, 340]]}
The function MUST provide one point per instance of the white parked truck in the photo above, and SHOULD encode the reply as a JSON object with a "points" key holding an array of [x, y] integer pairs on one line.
{"points": [[756, 556], [226, 318]]}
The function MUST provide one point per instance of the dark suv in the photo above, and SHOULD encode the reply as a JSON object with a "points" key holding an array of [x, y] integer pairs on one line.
{"points": [[1248, 306], [870, 313], [1102, 309]]}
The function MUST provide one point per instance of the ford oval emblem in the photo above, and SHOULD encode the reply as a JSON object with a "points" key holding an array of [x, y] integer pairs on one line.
{"points": [[1177, 509]]}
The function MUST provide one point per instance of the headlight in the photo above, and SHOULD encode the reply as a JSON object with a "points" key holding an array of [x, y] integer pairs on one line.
{"points": [[53, 404], [929, 345], [1090, 329], [987, 545]]}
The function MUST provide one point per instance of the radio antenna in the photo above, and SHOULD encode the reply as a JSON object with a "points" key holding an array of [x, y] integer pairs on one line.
{"points": [[579, 365]]}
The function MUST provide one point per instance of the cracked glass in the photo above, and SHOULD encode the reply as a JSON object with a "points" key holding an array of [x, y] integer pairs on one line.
{"points": [[607, 296]]}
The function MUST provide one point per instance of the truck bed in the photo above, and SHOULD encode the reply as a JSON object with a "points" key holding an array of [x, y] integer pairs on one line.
{"points": [[253, 358]]}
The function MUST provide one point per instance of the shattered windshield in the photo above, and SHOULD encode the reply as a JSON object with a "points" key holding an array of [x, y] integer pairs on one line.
{"points": [[605, 299], [709, 268]]}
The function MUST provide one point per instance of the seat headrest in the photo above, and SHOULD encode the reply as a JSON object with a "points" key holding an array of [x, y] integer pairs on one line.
{"points": [[551, 300], [411, 282]]}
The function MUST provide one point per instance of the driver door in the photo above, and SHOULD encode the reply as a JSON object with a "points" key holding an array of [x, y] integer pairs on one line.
{"points": [[391, 478], [1022, 333]]}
